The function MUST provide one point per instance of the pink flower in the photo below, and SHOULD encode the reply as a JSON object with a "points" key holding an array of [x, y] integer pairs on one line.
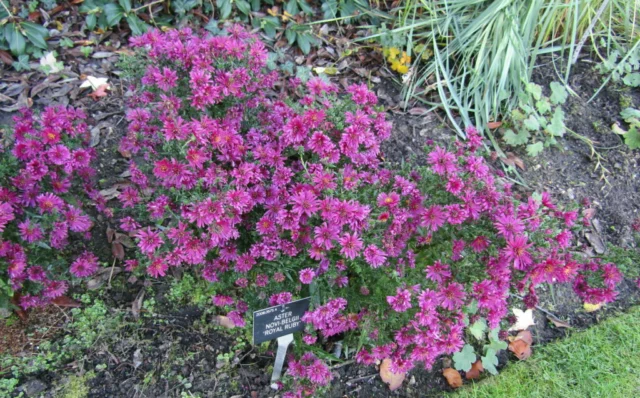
{"points": [[388, 200], [516, 252], [438, 272], [149, 240], [306, 275], [85, 265], [452, 297], [441, 161], [401, 301], [30, 231], [49, 203], [374, 256], [157, 268], [351, 245]]}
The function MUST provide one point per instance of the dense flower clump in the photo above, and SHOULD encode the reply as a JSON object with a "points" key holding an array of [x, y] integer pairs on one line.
{"points": [[43, 168], [272, 198]]}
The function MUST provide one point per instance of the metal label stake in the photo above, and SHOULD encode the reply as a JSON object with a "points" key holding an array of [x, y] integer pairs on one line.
{"points": [[283, 345]]}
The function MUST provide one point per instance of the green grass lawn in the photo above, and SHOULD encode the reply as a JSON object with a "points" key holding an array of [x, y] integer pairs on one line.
{"points": [[603, 361]]}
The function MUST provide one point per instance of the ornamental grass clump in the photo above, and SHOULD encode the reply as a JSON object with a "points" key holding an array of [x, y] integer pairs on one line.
{"points": [[273, 198], [45, 166]]}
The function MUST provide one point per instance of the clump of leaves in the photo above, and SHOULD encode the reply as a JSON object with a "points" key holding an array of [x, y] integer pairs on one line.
{"points": [[623, 68], [631, 136], [21, 37], [538, 120]]}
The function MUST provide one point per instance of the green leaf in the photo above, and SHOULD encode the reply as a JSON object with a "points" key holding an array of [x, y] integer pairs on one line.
{"points": [[463, 359], [534, 90], [304, 42], [292, 7], [558, 93], [17, 43], [243, 6], [490, 361], [22, 63], [531, 123], [36, 34], [629, 114], [136, 25], [306, 8], [478, 328], [514, 139], [472, 308], [494, 338], [225, 8], [556, 127], [290, 34], [632, 138], [632, 79], [126, 5], [517, 116], [535, 149], [91, 21], [544, 106], [114, 14]]}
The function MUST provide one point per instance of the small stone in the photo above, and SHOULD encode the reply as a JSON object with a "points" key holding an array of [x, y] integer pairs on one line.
{"points": [[412, 381], [32, 387]]}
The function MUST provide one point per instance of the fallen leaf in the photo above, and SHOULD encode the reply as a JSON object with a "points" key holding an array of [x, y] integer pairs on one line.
{"points": [[596, 242], [111, 233], [225, 321], [394, 380], [418, 111], [64, 301], [125, 240], [558, 323], [110, 193], [100, 92], [6, 58], [521, 345], [137, 358], [117, 250], [493, 125], [589, 213], [100, 277], [94, 82], [524, 319], [475, 370], [592, 307], [137, 304], [453, 377]]}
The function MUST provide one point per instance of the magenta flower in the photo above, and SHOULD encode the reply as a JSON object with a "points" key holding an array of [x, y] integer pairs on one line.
{"points": [[374, 256], [452, 297], [30, 231], [351, 245], [401, 301], [49, 203], [516, 252], [85, 265], [149, 240], [306, 275]]}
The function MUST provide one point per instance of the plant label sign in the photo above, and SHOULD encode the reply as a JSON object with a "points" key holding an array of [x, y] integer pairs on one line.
{"points": [[273, 322], [279, 322]]}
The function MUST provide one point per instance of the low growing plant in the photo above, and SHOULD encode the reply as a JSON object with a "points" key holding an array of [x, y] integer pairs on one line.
{"points": [[273, 198]]}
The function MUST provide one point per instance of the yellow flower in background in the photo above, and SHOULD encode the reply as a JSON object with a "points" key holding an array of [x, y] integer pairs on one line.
{"points": [[405, 59], [393, 54], [399, 67]]}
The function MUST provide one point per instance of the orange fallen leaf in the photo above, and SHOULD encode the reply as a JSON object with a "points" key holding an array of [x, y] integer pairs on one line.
{"points": [[394, 380], [225, 321], [475, 370], [521, 345], [453, 377], [494, 125], [100, 92]]}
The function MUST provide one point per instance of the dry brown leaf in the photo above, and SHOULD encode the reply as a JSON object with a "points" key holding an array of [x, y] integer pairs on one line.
{"points": [[110, 193], [418, 111], [475, 370], [394, 380], [125, 240], [494, 125], [137, 304], [453, 377], [558, 323], [110, 234], [64, 301], [5, 57], [117, 250]]}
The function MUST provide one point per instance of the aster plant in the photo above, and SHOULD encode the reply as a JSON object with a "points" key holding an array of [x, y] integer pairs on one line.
{"points": [[45, 167], [272, 198]]}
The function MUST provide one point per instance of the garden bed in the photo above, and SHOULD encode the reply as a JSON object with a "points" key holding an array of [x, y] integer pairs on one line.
{"points": [[175, 347]]}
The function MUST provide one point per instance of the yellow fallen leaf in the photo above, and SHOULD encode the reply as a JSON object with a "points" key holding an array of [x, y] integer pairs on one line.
{"points": [[524, 319], [592, 307], [326, 71]]}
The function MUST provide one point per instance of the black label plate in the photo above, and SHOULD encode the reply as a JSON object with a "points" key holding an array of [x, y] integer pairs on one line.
{"points": [[273, 322]]}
